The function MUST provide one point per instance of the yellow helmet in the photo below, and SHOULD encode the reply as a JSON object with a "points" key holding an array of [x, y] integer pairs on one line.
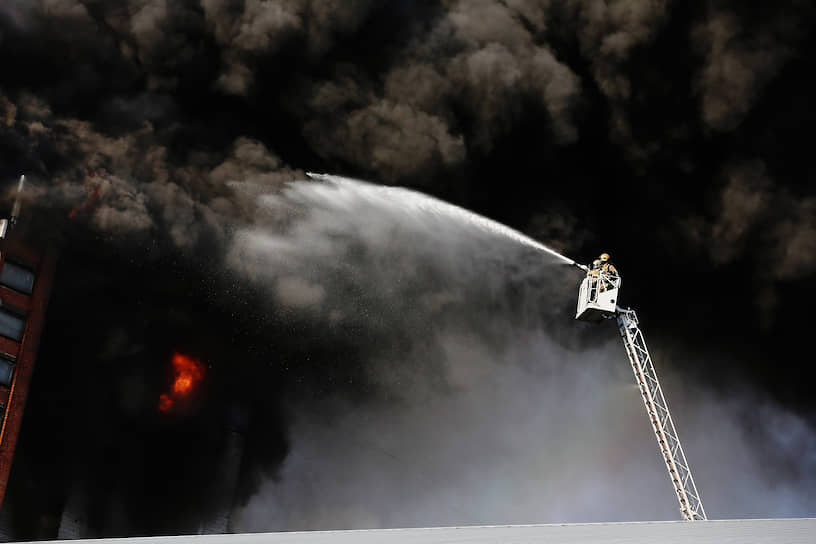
{"points": [[604, 257]]}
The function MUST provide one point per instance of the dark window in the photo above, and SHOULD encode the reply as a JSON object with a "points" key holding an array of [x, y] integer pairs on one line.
{"points": [[17, 277], [6, 372], [11, 325]]}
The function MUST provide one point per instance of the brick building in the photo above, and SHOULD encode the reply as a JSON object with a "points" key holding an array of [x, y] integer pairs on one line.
{"points": [[26, 276]]}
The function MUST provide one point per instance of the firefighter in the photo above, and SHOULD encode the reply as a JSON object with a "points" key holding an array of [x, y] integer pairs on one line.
{"points": [[595, 269], [606, 268], [606, 265], [594, 273]]}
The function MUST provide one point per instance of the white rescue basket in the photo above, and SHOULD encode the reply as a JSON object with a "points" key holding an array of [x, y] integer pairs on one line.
{"points": [[598, 297]]}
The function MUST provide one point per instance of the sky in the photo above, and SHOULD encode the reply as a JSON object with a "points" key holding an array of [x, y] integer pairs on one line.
{"points": [[386, 362]]}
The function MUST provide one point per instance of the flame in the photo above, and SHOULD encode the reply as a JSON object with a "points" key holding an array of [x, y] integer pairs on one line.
{"points": [[187, 372], [165, 402]]}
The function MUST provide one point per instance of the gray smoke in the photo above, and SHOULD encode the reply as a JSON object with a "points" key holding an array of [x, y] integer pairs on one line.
{"points": [[494, 407], [483, 401], [756, 220], [481, 58], [741, 58], [128, 185], [480, 55], [452, 83]]}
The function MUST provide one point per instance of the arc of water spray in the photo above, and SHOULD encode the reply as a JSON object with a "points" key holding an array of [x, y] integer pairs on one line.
{"points": [[434, 205], [567, 260]]}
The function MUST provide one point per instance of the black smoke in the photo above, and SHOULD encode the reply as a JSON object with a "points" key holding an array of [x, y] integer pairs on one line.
{"points": [[674, 136]]}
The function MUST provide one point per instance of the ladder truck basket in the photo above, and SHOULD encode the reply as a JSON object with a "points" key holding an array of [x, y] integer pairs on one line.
{"points": [[598, 297]]}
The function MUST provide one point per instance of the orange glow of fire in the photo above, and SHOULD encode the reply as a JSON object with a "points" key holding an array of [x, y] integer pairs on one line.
{"points": [[187, 373], [165, 402], [89, 203]]}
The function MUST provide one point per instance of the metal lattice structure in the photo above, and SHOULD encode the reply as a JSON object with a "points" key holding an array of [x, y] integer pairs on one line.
{"points": [[691, 506]]}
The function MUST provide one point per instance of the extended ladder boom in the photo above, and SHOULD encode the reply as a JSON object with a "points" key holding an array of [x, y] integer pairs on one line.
{"points": [[691, 506]]}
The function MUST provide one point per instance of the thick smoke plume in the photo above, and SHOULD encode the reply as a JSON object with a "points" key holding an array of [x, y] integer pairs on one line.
{"points": [[378, 356], [491, 409]]}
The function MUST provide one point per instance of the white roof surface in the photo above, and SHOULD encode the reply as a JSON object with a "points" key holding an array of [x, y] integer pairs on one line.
{"points": [[789, 531]]}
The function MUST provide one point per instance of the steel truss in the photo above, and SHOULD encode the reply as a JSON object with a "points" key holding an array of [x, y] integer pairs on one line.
{"points": [[691, 506]]}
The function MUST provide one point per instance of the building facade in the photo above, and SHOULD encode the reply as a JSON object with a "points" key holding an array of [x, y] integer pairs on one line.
{"points": [[26, 277]]}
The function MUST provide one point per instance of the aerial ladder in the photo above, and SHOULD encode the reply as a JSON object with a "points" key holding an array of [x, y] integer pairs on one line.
{"points": [[597, 301]]}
